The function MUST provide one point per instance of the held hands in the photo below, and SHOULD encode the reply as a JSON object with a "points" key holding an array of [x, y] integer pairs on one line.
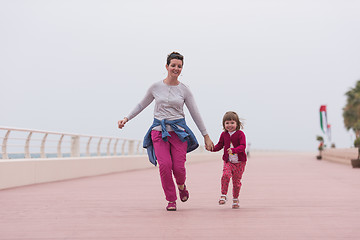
{"points": [[229, 151], [121, 123], [209, 145]]}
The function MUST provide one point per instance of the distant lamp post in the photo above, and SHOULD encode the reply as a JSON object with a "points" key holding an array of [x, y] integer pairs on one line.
{"points": [[320, 147]]}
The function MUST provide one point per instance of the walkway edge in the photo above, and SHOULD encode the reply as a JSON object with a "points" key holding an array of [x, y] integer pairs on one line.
{"points": [[22, 172], [15, 173]]}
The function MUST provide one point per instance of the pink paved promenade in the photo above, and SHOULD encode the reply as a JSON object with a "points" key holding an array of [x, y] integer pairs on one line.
{"points": [[284, 196]]}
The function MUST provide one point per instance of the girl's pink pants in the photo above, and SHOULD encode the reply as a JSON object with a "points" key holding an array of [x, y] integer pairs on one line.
{"points": [[234, 171], [171, 156]]}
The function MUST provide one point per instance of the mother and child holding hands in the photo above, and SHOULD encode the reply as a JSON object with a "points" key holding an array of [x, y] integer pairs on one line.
{"points": [[169, 138]]}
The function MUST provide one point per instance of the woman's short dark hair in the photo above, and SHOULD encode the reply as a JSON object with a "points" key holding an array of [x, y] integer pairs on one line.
{"points": [[174, 55]]}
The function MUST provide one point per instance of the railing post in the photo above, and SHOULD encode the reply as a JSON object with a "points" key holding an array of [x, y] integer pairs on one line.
{"points": [[108, 148], [116, 142], [88, 147], [138, 147], [27, 146], [131, 147], [59, 146], [75, 146], [4, 145], [99, 147], [123, 147], [42, 147]]}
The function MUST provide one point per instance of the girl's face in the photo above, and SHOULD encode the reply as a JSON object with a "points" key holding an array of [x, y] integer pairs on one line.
{"points": [[174, 68], [230, 125]]}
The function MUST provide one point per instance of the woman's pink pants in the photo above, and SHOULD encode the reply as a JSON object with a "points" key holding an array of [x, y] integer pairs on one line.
{"points": [[171, 156]]}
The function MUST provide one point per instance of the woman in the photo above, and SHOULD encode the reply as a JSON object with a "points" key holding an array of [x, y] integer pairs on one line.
{"points": [[169, 138]]}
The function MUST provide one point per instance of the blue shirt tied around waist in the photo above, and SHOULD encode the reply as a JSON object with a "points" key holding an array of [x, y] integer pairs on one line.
{"points": [[186, 135]]}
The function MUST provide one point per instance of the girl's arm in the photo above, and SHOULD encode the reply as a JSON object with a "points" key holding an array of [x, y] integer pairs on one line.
{"points": [[220, 144], [241, 148]]}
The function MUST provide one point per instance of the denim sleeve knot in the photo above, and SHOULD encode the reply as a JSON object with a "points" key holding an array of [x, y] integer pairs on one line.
{"points": [[186, 135]]}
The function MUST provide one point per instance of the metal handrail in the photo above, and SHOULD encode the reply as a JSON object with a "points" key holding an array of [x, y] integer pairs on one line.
{"points": [[23, 145]]}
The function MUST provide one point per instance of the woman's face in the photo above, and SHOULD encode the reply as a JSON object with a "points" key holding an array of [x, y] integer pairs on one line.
{"points": [[174, 68]]}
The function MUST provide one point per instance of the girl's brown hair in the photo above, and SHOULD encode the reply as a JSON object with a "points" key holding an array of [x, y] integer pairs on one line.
{"points": [[174, 55], [234, 117]]}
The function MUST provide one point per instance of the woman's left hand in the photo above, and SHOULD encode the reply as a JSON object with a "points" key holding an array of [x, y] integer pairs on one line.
{"points": [[209, 145]]}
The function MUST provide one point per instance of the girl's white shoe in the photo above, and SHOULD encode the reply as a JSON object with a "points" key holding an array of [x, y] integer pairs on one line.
{"points": [[223, 199], [235, 204]]}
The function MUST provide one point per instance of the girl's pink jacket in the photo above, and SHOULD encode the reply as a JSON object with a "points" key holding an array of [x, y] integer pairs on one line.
{"points": [[239, 142]]}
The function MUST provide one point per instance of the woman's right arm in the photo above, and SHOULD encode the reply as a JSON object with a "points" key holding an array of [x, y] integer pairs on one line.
{"points": [[139, 107]]}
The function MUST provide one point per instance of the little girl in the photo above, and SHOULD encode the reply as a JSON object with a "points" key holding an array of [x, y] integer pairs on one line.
{"points": [[232, 139]]}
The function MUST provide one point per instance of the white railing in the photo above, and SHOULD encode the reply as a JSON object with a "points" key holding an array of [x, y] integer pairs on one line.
{"points": [[30, 143]]}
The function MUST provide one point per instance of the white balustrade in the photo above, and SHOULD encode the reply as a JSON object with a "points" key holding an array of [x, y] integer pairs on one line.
{"points": [[30, 143]]}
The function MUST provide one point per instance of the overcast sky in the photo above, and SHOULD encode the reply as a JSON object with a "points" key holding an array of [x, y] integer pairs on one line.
{"points": [[79, 66]]}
